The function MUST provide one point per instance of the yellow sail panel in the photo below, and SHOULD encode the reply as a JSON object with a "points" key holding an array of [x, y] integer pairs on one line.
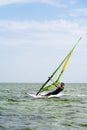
{"points": [[66, 62], [63, 68]]}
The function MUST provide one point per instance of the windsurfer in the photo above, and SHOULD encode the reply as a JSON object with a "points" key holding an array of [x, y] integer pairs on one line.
{"points": [[60, 87]]}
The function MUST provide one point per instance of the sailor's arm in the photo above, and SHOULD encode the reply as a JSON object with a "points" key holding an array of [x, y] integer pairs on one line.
{"points": [[56, 85]]}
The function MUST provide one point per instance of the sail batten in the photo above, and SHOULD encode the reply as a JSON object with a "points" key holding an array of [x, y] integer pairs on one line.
{"points": [[62, 65]]}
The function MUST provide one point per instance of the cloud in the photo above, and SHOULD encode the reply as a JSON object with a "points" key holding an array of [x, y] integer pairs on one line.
{"points": [[50, 2], [73, 1], [81, 12], [45, 26], [6, 2], [44, 33]]}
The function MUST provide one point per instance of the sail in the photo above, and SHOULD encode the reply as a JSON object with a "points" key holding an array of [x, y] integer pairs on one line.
{"points": [[59, 77], [63, 64]]}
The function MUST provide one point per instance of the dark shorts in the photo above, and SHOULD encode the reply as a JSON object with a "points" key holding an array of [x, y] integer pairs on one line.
{"points": [[56, 92]]}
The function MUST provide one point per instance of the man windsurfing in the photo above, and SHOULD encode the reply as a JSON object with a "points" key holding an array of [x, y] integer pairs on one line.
{"points": [[60, 88]]}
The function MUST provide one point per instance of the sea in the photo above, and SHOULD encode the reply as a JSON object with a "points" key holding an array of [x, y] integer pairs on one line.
{"points": [[19, 111]]}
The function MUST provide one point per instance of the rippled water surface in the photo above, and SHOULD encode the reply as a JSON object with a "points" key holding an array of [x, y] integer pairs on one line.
{"points": [[18, 111]]}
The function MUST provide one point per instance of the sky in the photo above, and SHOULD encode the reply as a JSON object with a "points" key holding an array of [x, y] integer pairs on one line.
{"points": [[35, 36]]}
